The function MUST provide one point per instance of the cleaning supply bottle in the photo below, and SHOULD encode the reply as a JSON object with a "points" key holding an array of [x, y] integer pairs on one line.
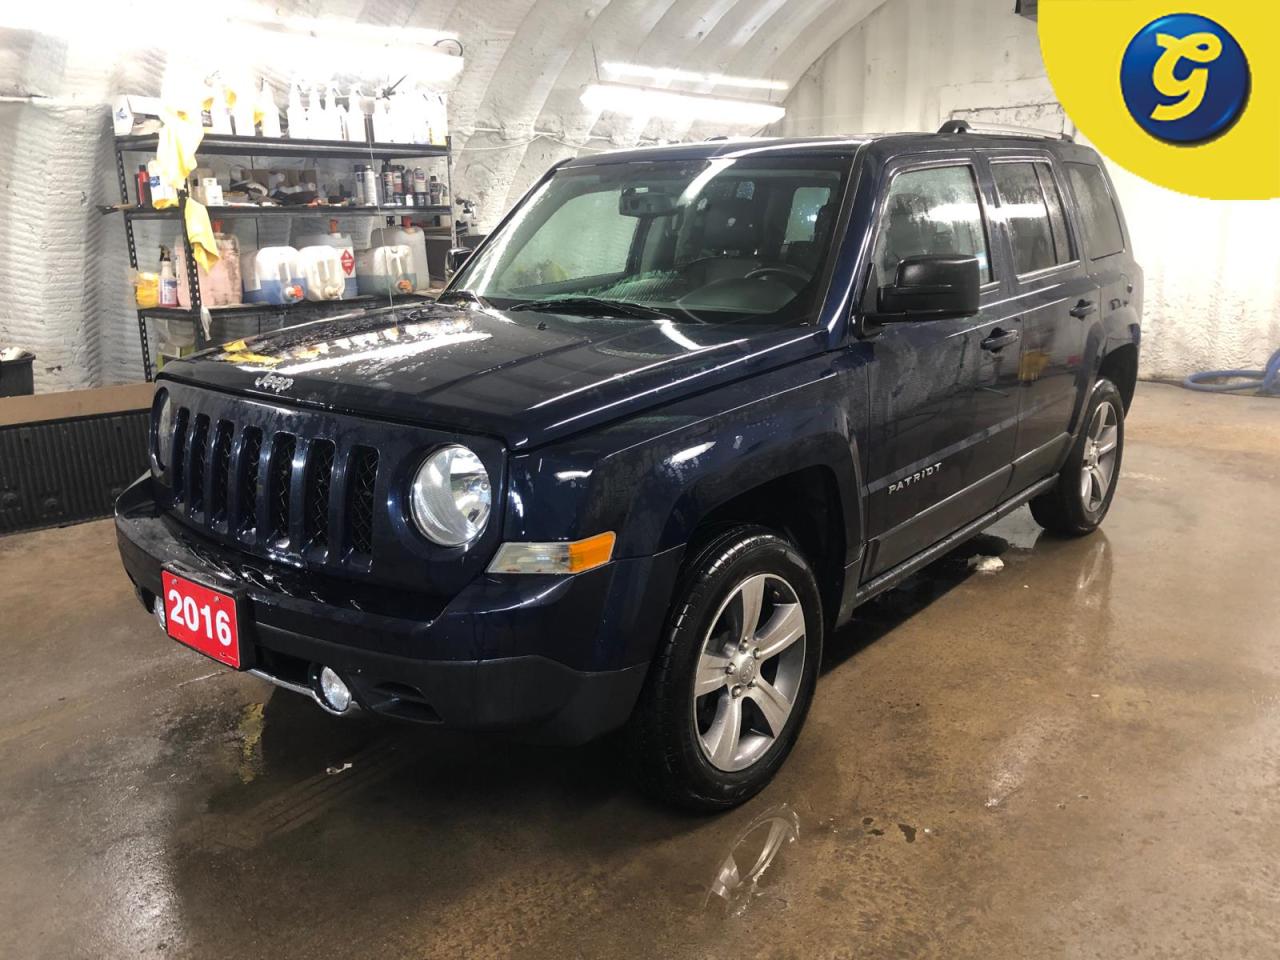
{"points": [[370, 186], [243, 107], [321, 271], [168, 281], [383, 127], [144, 186], [342, 246], [359, 122], [408, 236], [267, 113], [271, 275], [296, 116], [338, 113], [385, 271]]}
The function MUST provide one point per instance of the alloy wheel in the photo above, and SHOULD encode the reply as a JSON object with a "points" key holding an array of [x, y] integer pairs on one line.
{"points": [[1097, 470], [749, 672]]}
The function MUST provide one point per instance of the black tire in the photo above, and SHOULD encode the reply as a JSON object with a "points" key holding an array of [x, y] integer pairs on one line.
{"points": [[1063, 509], [665, 742]]}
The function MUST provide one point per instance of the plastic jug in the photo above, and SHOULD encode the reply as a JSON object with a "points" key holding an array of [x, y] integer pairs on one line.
{"points": [[346, 250], [385, 270], [272, 275], [220, 286], [406, 235], [322, 276]]}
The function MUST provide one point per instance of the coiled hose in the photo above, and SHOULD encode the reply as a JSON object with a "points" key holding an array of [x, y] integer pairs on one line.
{"points": [[1266, 381]]}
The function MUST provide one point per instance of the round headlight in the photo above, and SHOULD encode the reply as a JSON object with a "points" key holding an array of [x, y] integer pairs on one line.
{"points": [[164, 430], [451, 498]]}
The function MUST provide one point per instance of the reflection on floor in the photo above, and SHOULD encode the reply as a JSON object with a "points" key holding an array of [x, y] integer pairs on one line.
{"points": [[1074, 754]]}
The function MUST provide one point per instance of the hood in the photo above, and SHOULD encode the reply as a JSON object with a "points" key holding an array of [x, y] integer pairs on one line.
{"points": [[525, 377]]}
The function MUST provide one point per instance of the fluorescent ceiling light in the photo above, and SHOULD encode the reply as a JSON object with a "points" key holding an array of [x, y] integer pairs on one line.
{"points": [[637, 71], [249, 36], [646, 101]]}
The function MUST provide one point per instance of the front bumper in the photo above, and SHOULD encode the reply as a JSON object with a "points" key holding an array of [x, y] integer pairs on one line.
{"points": [[560, 658]]}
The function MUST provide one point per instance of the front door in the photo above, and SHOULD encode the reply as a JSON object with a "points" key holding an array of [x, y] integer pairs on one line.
{"points": [[943, 393]]}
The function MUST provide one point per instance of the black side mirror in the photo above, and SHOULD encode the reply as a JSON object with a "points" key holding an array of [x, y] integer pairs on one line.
{"points": [[458, 256], [931, 287]]}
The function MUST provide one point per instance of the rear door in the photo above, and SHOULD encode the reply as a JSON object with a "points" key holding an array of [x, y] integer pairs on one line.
{"points": [[1058, 303], [943, 393], [1104, 242]]}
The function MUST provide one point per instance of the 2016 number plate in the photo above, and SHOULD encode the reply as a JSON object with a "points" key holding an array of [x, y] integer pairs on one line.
{"points": [[202, 618]]}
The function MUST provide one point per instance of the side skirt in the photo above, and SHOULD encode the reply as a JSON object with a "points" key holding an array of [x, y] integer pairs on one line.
{"points": [[895, 575]]}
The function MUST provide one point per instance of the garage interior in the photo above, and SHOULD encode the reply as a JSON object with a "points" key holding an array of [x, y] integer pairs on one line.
{"points": [[1071, 752]]}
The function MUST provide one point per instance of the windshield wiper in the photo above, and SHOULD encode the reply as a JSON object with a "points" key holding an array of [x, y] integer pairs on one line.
{"points": [[593, 306], [450, 296]]}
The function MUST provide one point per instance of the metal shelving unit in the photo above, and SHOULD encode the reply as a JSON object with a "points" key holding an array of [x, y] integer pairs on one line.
{"points": [[260, 148]]}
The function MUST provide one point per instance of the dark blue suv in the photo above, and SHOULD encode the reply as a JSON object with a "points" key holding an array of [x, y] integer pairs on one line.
{"points": [[681, 413]]}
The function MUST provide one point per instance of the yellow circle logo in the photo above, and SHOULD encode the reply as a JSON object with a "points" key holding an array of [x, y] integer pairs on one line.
{"points": [[1186, 98]]}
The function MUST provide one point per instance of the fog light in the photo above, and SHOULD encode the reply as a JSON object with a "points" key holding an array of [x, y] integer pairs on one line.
{"points": [[157, 607], [334, 694]]}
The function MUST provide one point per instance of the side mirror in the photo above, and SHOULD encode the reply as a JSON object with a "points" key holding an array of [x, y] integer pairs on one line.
{"points": [[458, 256], [931, 287]]}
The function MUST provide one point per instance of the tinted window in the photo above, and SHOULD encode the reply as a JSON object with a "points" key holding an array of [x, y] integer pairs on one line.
{"points": [[934, 211], [725, 240], [1098, 214], [1057, 219], [1023, 207], [806, 205], [587, 237]]}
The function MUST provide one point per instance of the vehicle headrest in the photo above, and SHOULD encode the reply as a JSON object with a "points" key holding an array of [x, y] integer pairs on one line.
{"points": [[732, 224]]}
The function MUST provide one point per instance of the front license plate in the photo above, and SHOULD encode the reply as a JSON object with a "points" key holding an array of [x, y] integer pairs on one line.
{"points": [[201, 618]]}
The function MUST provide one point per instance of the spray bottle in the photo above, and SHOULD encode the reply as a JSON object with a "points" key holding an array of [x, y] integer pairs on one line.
{"points": [[267, 113], [296, 116], [168, 281]]}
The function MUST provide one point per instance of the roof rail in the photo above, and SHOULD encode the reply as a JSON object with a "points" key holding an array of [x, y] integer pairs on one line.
{"points": [[996, 129]]}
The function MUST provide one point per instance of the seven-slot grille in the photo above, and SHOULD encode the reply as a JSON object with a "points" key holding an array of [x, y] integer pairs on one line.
{"points": [[274, 490]]}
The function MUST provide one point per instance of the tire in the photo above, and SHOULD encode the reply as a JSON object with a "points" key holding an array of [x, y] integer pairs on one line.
{"points": [[1079, 501], [684, 745]]}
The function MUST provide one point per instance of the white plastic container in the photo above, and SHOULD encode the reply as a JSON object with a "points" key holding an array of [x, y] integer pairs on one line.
{"points": [[322, 277], [344, 248], [385, 270], [271, 275], [409, 236]]}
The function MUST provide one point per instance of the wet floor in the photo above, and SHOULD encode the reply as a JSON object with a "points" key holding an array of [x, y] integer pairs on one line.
{"points": [[1076, 755]]}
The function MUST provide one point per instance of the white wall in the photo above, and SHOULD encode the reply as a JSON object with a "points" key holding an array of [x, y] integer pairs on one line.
{"points": [[1212, 267]]}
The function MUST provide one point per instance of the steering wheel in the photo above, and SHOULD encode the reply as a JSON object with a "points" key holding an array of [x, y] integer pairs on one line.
{"points": [[794, 277]]}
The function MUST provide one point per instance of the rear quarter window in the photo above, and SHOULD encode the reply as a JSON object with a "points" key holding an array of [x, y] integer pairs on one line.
{"points": [[1098, 215]]}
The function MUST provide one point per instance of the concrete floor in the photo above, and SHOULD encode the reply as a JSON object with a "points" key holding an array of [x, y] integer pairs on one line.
{"points": [[1076, 756]]}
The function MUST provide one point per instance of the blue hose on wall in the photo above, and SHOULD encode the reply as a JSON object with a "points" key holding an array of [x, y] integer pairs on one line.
{"points": [[1266, 382]]}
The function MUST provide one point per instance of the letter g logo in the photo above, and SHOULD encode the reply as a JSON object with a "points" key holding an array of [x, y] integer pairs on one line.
{"points": [[1185, 79]]}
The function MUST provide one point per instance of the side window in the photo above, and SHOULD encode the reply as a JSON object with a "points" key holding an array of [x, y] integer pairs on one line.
{"points": [[933, 211], [1057, 216], [1025, 212], [557, 251], [1098, 214], [806, 204]]}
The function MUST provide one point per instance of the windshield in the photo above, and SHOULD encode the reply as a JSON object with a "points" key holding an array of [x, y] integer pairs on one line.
{"points": [[711, 241]]}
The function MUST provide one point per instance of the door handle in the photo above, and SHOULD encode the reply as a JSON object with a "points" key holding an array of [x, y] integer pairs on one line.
{"points": [[999, 340], [1082, 309]]}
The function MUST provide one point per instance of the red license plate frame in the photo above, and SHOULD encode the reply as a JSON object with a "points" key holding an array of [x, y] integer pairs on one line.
{"points": [[217, 629]]}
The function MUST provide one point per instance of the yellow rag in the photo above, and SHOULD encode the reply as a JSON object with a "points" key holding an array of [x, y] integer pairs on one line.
{"points": [[176, 152], [204, 245]]}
